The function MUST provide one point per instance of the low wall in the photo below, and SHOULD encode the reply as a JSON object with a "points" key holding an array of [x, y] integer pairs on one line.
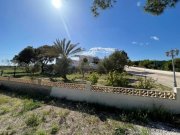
{"points": [[118, 100], [111, 96], [25, 88]]}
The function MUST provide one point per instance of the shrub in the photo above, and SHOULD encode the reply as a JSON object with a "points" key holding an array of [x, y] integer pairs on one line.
{"points": [[116, 61], [32, 120], [93, 78], [117, 79], [146, 83], [54, 129]]}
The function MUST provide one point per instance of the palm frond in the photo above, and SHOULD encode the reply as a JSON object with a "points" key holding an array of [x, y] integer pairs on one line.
{"points": [[66, 49]]}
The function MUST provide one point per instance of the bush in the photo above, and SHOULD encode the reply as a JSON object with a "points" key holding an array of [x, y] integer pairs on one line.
{"points": [[32, 120], [54, 129], [146, 83], [117, 79], [116, 61], [93, 78]]}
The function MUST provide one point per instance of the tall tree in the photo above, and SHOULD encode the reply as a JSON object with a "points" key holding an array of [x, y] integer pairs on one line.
{"points": [[26, 56], [65, 49], [46, 54], [155, 7]]}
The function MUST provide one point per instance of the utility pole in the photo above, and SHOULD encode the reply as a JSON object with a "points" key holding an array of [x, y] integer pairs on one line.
{"points": [[172, 54]]}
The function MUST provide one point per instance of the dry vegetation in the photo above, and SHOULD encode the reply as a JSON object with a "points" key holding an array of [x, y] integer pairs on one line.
{"points": [[22, 115]]}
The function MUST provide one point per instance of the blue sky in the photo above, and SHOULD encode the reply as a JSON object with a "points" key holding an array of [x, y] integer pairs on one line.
{"points": [[125, 27]]}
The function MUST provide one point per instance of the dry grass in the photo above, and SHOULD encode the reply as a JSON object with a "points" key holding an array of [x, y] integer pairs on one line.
{"points": [[24, 116]]}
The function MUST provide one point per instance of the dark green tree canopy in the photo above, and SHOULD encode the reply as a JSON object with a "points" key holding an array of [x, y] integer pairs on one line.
{"points": [[46, 54], [26, 56], [116, 61], [155, 7]]}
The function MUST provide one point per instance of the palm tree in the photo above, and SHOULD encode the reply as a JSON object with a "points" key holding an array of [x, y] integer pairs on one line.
{"points": [[65, 51]]}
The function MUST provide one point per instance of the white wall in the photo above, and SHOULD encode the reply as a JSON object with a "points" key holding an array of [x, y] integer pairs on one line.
{"points": [[117, 100]]}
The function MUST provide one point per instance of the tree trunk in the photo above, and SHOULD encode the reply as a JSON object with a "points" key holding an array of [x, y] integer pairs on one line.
{"points": [[65, 78], [42, 68]]}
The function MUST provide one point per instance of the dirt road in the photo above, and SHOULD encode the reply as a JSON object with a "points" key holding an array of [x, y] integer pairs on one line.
{"points": [[162, 77]]}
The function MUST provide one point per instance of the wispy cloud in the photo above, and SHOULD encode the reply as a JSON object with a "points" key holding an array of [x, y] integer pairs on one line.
{"points": [[140, 43], [155, 38], [138, 4]]}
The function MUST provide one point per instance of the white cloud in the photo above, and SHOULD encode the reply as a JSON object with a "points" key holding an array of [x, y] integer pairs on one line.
{"points": [[138, 4], [134, 43], [93, 51], [100, 49], [155, 38]]}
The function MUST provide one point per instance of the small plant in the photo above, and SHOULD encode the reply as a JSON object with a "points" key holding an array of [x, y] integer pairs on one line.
{"points": [[29, 105], [120, 131], [117, 80], [144, 132], [93, 78], [32, 120], [3, 100], [4, 110], [146, 83], [41, 132], [54, 129]]}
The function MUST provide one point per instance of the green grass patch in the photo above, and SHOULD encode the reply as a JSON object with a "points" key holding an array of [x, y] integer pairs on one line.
{"points": [[30, 104], [32, 120]]}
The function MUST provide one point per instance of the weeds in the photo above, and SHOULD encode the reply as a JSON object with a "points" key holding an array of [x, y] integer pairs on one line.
{"points": [[120, 131], [146, 83], [4, 109], [32, 120], [29, 105], [40, 132], [54, 129], [93, 78], [144, 132], [117, 80], [3, 100]]}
